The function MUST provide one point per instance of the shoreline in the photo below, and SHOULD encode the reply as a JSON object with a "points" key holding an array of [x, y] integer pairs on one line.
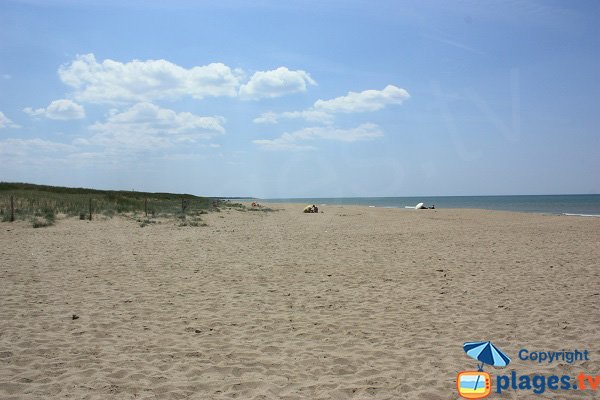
{"points": [[550, 204], [272, 205]]}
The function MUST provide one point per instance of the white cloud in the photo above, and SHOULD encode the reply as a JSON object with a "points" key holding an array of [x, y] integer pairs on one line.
{"points": [[111, 81], [25, 147], [146, 126], [275, 83], [281, 144], [323, 110], [138, 81], [266, 118], [295, 140], [368, 100], [6, 122], [307, 115], [63, 109]]}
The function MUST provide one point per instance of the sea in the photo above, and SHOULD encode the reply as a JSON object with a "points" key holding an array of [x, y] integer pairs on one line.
{"points": [[583, 205]]}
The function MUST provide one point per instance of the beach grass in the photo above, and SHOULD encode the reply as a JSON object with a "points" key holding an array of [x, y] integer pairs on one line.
{"points": [[40, 204]]}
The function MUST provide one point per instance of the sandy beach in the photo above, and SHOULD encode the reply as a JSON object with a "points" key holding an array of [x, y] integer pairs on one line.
{"points": [[351, 303]]}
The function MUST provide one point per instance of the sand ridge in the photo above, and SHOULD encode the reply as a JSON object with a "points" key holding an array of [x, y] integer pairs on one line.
{"points": [[353, 303]]}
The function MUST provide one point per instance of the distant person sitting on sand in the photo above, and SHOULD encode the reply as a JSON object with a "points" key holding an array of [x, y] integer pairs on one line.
{"points": [[432, 207], [311, 209]]}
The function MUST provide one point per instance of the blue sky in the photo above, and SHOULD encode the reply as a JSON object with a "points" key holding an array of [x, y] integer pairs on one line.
{"points": [[300, 99]]}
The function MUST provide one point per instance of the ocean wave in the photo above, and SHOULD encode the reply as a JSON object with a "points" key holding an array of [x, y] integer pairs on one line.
{"points": [[581, 215]]}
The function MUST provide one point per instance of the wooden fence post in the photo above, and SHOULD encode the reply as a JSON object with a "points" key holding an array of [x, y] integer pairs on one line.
{"points": [[12, 209], [146, 207], [90, 208]]}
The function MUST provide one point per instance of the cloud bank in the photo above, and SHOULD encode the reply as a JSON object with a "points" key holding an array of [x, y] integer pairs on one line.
{"points": [[112, 81], [139, 81], [6, 122], [27, 147], [307, 115], [63, 109], [354, 102], [296, 140], [147, 126], [275, 83], [366, 101]]}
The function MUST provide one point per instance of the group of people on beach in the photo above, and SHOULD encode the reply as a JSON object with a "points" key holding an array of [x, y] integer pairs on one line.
{"points": [[311, 209]]}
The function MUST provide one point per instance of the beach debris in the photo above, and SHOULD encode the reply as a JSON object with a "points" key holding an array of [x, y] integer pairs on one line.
{"points": [[75, 316]]}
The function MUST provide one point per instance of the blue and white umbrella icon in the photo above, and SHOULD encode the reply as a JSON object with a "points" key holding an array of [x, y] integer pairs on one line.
{"points": [[487, 353]]}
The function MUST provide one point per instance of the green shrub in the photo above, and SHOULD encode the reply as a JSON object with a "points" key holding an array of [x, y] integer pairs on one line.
{"points": [[38, 222], [195, 223], [263, 209], [145, 222], [49, 215]]}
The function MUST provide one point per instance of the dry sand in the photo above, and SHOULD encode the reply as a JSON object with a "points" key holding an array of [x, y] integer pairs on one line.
{"points": [[354, 303]]}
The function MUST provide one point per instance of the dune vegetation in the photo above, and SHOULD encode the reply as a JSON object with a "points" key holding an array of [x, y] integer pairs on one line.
{"points": [[40, 204]]}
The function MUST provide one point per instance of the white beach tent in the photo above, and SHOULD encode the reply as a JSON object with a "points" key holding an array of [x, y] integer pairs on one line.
{"points": [[417, 207]]}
